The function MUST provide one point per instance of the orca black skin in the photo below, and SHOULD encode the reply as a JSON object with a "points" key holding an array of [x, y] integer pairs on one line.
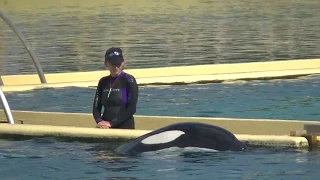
{"points": [[187, 134]]}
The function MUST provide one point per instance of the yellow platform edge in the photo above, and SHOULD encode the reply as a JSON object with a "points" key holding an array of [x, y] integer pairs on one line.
{"points": [[196, 74], [253, 132], [105, 135], [253, 126]]}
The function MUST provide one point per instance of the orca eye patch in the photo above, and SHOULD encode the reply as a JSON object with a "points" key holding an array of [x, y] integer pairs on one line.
{"points": [[163, 137]]}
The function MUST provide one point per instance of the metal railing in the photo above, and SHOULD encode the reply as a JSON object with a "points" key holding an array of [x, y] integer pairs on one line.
{"points": [[4, 101], [6, 107], [26, 45]]}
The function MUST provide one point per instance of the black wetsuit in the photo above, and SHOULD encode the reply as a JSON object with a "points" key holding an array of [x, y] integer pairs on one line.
{"points": [[120, 106]]}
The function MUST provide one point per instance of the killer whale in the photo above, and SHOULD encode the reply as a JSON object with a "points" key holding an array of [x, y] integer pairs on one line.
{"points": [[182, 135]]}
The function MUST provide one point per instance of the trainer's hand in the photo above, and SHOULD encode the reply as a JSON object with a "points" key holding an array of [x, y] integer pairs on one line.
{"points": [[103, 125]]}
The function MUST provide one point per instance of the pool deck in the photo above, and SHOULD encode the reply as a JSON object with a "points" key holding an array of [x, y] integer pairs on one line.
{"points": [[260, 132]]}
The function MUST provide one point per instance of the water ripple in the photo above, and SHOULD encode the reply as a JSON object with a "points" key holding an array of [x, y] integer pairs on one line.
{"points": [[73, 36]]}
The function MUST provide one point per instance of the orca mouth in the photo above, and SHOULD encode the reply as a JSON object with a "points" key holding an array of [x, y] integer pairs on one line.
{"points": [[238, 146], [242, 146]]}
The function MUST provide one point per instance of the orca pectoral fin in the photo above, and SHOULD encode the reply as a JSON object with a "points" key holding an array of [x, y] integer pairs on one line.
{"points": [[163, 137]]}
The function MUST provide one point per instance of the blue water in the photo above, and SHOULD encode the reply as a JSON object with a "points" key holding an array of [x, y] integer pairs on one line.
{"points": [[273, 99], [283, 99], [73, 35], [50, 159]]}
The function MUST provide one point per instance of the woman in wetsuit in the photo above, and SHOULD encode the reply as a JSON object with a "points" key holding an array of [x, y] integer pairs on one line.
{"points": [[116, 93]]}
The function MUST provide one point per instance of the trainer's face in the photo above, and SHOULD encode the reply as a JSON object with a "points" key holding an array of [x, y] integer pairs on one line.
{"points": [[115, 69]]}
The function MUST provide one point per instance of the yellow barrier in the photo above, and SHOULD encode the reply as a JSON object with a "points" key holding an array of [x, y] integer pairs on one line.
{"points": [[68, 131], [20, 130], [268, 127], [172, 75], [274, 141]]}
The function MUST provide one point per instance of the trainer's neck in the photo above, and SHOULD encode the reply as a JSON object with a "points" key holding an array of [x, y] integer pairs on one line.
{"points": [[114, 74]]}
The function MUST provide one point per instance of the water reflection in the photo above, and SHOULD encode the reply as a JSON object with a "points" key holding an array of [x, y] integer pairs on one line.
{"points": [[72, 35]]}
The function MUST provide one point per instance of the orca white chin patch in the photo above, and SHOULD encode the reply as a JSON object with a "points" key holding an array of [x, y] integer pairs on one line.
{"points": [[163, 137]]}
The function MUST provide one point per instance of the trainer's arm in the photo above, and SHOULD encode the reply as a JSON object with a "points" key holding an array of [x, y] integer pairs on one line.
{"points": [[97, 106]]}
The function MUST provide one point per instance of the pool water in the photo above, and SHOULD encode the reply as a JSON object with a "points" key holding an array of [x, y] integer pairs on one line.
{"points": [[272, 99], [72, 36], [171, 34], [284, 99], [45, 158]]}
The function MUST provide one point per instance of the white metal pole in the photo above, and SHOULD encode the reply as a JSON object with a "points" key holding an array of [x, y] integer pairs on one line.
{"points": [[6, 107]]}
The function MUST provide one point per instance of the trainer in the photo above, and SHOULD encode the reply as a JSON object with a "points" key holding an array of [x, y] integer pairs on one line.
{"points": [[117, 94]]}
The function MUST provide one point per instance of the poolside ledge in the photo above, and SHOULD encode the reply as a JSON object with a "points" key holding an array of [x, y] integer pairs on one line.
{"points": [[19, 131], [196, 74]]}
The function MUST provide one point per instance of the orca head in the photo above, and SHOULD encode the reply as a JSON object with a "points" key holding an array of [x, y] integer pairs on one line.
{"points": [[238, 145], [213, 137]]}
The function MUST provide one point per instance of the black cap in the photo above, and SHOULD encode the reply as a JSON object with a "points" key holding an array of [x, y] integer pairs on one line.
{"points": [[114, 55]]}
